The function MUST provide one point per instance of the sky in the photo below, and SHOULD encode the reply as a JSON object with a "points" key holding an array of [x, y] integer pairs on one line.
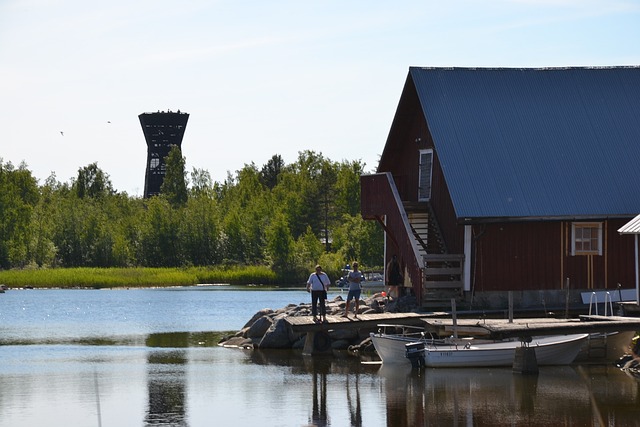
{"points": [[260, 78]]}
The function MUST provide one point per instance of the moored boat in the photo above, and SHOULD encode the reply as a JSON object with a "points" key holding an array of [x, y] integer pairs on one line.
{"points": [[467, 353]]}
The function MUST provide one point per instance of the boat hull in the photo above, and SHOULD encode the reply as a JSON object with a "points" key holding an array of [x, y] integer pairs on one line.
{"points": [[552, 350]]}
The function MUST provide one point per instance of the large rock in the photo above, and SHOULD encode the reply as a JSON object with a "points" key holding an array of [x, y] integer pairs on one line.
{"points": [[259, 327], [258, 315], [277, 336]]}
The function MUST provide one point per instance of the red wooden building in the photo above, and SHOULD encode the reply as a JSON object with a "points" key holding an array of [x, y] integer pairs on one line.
{"points": [[511, 179]]}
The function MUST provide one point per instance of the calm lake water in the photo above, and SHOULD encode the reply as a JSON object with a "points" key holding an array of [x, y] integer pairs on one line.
{"points": [[149, 357]]}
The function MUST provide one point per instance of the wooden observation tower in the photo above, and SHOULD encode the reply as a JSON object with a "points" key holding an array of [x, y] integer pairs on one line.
{"points": [[162, 130]]}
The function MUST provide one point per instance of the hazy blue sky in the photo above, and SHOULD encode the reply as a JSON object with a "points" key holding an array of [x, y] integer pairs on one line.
{"points": [[260, 77]]}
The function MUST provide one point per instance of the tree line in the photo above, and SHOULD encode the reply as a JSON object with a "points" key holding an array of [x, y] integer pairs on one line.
{"points": [[285, 216]]}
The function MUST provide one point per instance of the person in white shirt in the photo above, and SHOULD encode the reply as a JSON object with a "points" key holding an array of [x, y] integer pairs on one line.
{"points": [[318, 284]]}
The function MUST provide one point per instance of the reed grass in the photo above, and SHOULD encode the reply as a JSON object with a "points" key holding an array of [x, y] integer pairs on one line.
{"points": [[236, 275], [135, 277]]}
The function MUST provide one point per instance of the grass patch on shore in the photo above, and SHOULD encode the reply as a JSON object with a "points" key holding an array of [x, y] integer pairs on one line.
{"points": [[135, 277], [237, 275]]}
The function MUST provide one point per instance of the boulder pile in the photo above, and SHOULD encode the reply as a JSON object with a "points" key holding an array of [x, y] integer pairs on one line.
{"points": [[267, 330]]}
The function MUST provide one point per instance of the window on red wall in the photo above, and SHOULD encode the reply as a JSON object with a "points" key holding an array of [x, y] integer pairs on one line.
{"points": [[424, 177], [586, 238]]}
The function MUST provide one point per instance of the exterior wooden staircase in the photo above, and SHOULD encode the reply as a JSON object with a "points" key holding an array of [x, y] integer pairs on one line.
{"points": [[414, 235], [443, 272]]}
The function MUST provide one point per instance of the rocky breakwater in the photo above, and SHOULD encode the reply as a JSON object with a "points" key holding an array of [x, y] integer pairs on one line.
{"points": [[268, 330]]}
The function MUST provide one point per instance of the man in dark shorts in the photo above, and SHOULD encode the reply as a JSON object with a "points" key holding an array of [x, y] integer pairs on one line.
{"points": [[355, 288]]}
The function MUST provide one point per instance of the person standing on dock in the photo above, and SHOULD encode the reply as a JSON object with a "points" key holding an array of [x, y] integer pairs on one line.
{"points": [[318, 285], [394, 277], [355, 288]]}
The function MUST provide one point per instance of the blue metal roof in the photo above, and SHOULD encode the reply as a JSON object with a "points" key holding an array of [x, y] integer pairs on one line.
{"points": [[532, 143]]}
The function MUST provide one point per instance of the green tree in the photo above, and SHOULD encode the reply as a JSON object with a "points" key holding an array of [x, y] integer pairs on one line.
{"points": [[43, 249], [279, 215], [18, 197], [92, 182], [280, 245], [357, 239], [326, 183], [347, 187], [298, 193], [201, 183], [68, 235], [308, 249], [161, 243], [245, 211], [271, 170], [200, 229], [174, 185]]}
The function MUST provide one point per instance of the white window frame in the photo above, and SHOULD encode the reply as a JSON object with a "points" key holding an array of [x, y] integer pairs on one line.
{"points": [[424, 195], [578, 236]]}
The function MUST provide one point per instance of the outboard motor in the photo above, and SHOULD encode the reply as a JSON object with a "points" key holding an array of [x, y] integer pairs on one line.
{"points": [[415, 353]]}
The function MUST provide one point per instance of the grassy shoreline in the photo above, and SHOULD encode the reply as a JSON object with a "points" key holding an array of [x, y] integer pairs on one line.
{"points": [[136, 277]]}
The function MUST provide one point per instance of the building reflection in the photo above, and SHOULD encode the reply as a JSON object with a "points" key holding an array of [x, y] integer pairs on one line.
{"points": [[565, 395], [166, 377], [497, 396]]}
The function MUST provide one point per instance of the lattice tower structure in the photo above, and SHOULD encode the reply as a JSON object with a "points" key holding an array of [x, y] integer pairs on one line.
{"points": [[162, 130]]}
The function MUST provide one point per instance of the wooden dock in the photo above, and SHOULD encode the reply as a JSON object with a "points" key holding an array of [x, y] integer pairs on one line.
{"points": [[442, 324], [503, 328], [364, 321], [318, 340]]}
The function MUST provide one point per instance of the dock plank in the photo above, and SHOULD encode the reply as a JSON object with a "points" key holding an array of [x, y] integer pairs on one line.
{"points": [[306, 323], [442, 324], [502, 328]]}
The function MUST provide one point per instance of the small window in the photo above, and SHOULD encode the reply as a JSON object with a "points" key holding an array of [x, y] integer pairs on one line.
{"points": [[424, 177], [586, 238]]}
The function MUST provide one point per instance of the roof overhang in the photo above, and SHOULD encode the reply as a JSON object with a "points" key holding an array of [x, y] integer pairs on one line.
{"points": [[632, 227], [573, 218]]}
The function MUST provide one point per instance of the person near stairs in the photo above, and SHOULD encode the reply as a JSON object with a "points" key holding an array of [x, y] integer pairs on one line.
{"points": [[394, 277]]}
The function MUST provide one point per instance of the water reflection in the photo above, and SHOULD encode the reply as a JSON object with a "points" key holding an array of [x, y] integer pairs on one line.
{"points": [[328, 375], [353, 400], [558, 395], [569, 395], [166, 374], [319, 368], [71, 358]]}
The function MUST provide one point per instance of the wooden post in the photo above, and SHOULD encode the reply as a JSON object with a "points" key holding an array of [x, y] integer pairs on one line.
{"points": [[525, 361], [566, 301], [510, 306], [454, 316], [317, 342]]}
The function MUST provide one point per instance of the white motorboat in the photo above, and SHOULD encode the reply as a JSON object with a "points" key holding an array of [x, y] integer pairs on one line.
{"points": [[467, 353]]}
